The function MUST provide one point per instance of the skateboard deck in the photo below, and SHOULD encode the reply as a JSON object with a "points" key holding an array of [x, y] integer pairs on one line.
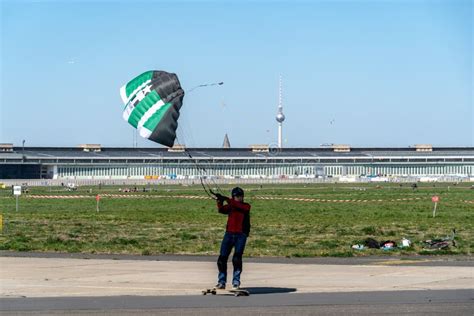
{"points": [[214, 291]]}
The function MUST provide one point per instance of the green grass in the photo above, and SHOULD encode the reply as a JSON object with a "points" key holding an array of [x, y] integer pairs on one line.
{"points": [[279, 227]]}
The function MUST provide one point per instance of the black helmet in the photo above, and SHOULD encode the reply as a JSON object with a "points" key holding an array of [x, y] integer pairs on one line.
{"points": [[237, 192]]}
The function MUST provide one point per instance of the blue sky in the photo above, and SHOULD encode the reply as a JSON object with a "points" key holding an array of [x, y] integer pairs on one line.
{"points": [[364, 73]]}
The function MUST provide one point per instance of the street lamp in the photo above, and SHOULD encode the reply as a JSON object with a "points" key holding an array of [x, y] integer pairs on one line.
{"points": [[23, 150]]}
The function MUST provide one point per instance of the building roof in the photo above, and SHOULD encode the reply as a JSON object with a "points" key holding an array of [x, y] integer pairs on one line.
{"points": [[228, 153]]}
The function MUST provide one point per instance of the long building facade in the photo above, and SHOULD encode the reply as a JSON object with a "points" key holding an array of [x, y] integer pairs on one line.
{"points": [[96, 162]]}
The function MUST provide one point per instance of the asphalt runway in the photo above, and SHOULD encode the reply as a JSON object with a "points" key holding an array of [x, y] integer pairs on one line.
{"points": [[440, 302], [81, 284]]}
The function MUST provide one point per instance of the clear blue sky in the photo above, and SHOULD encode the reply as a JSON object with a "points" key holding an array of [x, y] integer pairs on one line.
{"points": [[365, 73]]}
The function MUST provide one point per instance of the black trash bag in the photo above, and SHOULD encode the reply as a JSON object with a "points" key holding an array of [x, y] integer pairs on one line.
{"points": [[371, 243]]}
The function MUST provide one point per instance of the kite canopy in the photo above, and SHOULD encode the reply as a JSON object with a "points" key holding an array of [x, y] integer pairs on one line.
{"points": [[152, 103]]}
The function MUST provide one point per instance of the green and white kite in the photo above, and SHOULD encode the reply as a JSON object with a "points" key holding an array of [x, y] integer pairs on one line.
{"points": [[152, 103]]}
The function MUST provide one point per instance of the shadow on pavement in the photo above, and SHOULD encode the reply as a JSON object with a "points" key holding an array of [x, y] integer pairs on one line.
{"points": [[269, 290]]}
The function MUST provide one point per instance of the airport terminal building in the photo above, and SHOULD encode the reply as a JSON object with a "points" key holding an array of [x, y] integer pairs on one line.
{"points": [[95, 162]]}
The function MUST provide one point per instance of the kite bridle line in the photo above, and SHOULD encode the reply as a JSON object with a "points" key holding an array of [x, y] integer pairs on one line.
{"points": [[206, 174], [208, 190], [202, 173], [202, 170]]}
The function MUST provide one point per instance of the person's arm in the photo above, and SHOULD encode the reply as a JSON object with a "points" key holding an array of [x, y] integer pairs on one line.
{"points": [[223, 209], [239, 206]]}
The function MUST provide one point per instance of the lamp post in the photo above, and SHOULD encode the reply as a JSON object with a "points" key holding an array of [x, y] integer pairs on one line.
{"points": [[23, 150]]}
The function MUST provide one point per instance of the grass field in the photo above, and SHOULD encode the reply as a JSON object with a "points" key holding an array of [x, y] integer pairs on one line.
{"points": [[159, 224]]}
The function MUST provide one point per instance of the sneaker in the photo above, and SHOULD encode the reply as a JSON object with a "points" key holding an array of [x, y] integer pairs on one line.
{"points": [[220, 286], [235, 286]]}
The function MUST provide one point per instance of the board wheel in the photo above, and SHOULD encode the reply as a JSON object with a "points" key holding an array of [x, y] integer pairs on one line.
{"points": [[214, 292]]}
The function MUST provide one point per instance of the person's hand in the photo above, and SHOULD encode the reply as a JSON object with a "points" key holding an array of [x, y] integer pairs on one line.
{"points": [[220, 197]]}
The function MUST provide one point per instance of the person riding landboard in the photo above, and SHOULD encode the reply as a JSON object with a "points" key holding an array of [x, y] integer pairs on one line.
{"points": [[237, 231]]}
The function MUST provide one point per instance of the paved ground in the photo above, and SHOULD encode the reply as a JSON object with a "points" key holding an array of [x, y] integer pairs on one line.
{"points": [[172, 285], [440, 302], [50, 277]]}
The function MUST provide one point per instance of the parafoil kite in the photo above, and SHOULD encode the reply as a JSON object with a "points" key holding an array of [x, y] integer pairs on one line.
{"points": [[152, 103]]}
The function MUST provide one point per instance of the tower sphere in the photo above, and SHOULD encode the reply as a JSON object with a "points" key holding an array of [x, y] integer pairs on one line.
{"points": [[280, 117]]}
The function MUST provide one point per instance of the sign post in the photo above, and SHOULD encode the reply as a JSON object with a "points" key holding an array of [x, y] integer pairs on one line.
{"points": [[97, 198], [17, 193], [435, 200]]}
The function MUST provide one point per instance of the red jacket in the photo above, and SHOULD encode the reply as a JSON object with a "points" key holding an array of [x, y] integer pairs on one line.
{"points": [[238, 220]]}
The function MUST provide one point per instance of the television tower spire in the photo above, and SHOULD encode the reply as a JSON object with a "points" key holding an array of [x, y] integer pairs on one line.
{"points": [[280, 117]]}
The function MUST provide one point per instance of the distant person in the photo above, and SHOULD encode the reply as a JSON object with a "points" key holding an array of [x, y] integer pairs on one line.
{"points": [[237, 231]]}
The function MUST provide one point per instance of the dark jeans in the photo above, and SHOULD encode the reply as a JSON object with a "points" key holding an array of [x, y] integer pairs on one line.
{"points": [[237, 241]]}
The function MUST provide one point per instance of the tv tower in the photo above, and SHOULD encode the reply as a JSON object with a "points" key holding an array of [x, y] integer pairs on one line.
{"points": [[280, 117]]}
